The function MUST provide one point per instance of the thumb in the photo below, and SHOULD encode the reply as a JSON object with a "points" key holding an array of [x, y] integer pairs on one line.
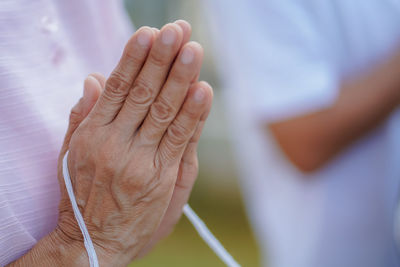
{"points": [[91, 91]]}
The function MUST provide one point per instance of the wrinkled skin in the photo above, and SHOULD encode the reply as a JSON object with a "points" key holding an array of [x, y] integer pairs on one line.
{"points": [[132, 143]]}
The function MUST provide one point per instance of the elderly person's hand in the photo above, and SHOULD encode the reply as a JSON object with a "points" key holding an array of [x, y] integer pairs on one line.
{"points": [[132, 156]]}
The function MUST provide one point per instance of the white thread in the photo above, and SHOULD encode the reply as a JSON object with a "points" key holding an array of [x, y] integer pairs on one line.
{"points": [[197, 223], [78, 216], [208, 237]]}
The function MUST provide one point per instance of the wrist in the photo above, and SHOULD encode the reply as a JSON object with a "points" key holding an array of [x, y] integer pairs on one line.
{"points": [[53, 251], [72, 252], [66, 251]]}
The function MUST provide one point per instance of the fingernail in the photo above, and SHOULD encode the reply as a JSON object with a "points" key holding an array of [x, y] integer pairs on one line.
{"points": [[199, 95], [168, 36], [179, 21], [144, 37], [187, 55]]}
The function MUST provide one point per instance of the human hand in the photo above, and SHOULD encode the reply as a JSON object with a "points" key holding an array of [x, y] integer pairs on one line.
{"points": [[137, 147]]}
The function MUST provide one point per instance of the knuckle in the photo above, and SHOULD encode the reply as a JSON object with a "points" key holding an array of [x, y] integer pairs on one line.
{"points": [[159, 58], [162, 111], [168, 154], [191, 112], [75, 114], [117, 84], [178, 134], [181, 76], [132, 56], [141, 93]]}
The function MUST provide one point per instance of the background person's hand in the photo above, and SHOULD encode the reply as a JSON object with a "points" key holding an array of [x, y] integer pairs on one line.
{"points": [[126, 156]]}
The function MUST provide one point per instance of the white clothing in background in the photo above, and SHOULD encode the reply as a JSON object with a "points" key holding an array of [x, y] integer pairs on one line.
{"points": [[287, 58]]}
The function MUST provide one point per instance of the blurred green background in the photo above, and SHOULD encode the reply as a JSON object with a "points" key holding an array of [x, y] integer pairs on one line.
{"points": [[216, 197]]}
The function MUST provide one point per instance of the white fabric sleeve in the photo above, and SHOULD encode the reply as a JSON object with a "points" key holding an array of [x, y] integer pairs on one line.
{"points": [[277, 52]]}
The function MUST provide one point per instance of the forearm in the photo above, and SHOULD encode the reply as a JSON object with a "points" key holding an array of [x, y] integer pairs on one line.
{"points": [[312, 140]]}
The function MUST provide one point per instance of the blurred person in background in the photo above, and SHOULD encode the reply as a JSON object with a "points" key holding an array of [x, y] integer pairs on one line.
{"points": [[132, 138], [313, 96]]}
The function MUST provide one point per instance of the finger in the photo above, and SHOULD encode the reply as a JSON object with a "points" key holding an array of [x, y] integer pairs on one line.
{"points": [[151, 78], [92, 89], [119, 83], [169, 101], [100, 78], [190, 155], [188, 165], [186, 29], [181, 130], [187, 175], [188, 171], [91, 92], [187, 32]]}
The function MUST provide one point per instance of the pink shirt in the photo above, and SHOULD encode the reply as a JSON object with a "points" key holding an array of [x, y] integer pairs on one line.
{"points": [[46, 50]]}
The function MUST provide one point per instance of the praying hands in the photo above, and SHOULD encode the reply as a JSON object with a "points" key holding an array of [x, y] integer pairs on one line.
{"points": [[132, 151]]}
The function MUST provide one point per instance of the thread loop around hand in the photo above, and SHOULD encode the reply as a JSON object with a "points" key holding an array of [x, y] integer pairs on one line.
{"points": [[93, 261]]}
